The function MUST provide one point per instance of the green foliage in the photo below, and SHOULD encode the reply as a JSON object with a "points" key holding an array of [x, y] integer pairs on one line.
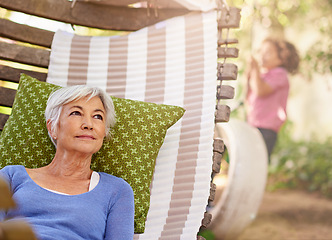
{"points": [[308, 21], [302, 165], [207, 234], [319, 58]]}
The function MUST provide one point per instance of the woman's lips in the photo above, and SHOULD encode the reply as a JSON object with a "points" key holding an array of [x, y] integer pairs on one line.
{"points": [[86, 137]]}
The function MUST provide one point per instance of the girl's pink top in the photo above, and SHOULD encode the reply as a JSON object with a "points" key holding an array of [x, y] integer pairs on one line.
{"points": [[270, 111]]}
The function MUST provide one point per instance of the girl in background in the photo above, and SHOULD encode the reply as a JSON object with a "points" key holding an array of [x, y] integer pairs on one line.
{"points": [[268, 87]]}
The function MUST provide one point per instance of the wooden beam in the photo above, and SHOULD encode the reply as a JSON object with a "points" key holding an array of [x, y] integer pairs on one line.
{"points": [[225, 92], [159, 4], [217, 157], [227, 41], [3, 120], [13, 74], [227, 71], [218, 146], [213, 188], [22, 54], [24, 33], [228, 52], [230, 19], [91, 14], [113, 2], [7, 96], [207, 219], [222, 113]]}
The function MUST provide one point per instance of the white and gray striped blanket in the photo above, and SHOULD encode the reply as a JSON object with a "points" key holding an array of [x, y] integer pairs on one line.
{"points": [[173, 62]]}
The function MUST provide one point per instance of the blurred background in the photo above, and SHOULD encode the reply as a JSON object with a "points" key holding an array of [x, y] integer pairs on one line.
{"points": [[297, 203], [302, 158]]}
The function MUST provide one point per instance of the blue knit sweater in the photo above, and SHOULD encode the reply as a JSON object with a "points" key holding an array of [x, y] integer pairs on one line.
{"points": [[105, 212]]}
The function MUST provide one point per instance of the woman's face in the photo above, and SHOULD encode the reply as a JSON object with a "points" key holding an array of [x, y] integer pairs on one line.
{"points": [[269, 56], [81, 126]]}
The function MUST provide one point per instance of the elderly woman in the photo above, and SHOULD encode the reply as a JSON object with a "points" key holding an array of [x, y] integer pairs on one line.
{"points": [[66, 200]]}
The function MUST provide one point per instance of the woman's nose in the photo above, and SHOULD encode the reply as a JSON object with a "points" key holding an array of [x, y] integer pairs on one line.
{"points": [[87, 124]]}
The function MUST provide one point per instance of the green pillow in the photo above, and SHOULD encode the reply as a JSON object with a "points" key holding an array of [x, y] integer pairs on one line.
{"points": [[130, 154]]}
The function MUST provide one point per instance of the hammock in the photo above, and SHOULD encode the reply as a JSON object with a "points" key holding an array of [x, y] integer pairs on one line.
{"points": [[172, 62]]}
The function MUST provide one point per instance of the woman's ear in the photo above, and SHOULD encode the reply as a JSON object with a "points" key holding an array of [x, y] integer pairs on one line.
{"points": [[49, 129]]}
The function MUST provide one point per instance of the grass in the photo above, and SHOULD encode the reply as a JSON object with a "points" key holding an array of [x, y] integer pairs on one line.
{"points": [[302, 164]]}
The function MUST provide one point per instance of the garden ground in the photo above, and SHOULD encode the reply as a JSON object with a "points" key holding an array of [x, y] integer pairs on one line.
{"points": [[291, 215]]}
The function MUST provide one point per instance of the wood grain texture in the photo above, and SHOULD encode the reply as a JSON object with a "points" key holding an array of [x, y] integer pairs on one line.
{"points": [[225, 92], [13, 74], [7, 96], [24, 33], [22, 54], [227, 71], [90, 14], [3, 120]]}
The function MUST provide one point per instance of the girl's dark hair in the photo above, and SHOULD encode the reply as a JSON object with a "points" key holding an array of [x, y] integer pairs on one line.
{"points": [[287, 54]]}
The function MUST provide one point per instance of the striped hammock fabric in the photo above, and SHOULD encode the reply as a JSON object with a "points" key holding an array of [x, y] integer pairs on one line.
{"points": [[173, 62]]}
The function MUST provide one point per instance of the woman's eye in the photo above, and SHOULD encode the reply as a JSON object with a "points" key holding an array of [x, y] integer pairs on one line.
{"points": [[77, 113], [98, 116]]}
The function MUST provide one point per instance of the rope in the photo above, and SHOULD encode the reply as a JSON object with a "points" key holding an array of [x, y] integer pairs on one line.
{"points": [[221, 6]]}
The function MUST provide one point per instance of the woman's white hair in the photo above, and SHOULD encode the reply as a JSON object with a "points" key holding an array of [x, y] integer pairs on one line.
{"points": [[66, 95]]}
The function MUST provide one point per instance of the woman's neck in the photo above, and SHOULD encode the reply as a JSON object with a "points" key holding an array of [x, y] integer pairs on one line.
{"points": [[70, 165]]}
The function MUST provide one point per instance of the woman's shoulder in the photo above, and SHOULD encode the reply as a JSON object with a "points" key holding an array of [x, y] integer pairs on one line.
{"points": [[116, 182], [11, 169], [11, 172], [106, 177]]}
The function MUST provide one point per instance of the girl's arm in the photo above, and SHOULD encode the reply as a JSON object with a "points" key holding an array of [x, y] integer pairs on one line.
{"points": [[256, 84]]}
